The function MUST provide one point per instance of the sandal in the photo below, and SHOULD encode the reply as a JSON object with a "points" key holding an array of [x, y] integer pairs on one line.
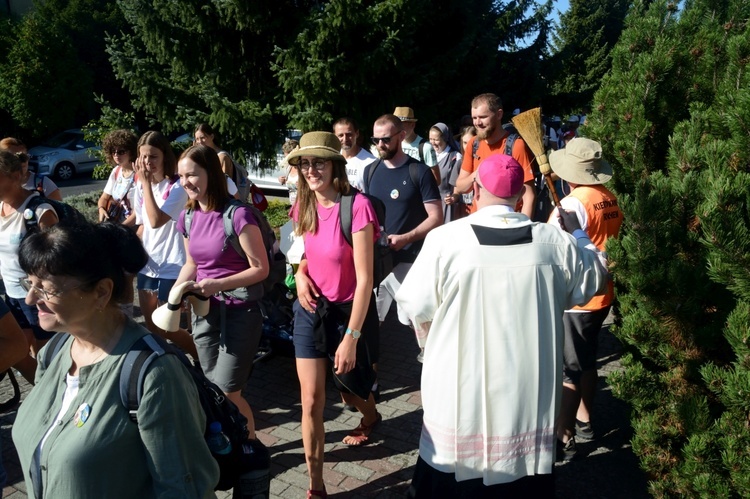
{"points": [[361, 434], [317, 493]]}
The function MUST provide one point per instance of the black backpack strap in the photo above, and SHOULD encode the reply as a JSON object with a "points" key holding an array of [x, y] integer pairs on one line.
{"points": [[134, 368], [346, 207], [370, 169], [421, 149], [53, 348], [414, 174]]}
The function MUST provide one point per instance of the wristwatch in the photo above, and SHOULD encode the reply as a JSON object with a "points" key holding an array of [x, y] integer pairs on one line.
{"points": [[354, 332]]}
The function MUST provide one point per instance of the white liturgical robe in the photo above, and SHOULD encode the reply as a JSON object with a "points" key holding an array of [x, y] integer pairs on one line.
{"points": [[494, 286]]}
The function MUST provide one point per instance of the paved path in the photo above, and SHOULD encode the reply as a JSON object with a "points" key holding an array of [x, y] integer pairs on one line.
{"points": [[607, 469]]}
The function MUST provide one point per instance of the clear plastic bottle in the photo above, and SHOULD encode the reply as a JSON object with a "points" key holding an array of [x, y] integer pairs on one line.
{"points": [[218, 443]]}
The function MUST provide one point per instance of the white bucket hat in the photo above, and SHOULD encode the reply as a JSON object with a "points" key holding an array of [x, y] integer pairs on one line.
{"points": [[167, 316]]}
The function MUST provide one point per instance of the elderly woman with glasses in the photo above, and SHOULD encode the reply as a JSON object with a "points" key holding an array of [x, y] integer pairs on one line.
{"points": [[31, 181], [335, 316], [73, 434], [14, 219]]}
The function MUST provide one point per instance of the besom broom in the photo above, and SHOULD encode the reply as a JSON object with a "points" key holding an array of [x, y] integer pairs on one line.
{"points": [[529, 126]]}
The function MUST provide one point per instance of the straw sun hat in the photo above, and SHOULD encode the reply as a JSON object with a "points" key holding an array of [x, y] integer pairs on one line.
{"points": [[324, 145]]}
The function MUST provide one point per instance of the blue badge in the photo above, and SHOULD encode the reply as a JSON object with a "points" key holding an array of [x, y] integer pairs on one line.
{"points": [[82, 414]]}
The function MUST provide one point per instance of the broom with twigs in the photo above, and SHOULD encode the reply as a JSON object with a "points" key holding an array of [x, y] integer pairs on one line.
{"points": [[529, 125]]}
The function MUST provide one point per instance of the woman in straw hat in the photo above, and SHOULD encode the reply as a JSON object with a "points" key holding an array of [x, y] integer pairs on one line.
{"points": [[227, 337], [335, 314]]}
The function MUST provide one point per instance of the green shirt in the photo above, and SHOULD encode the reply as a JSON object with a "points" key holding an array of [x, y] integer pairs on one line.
{"points": [[109, 456]]}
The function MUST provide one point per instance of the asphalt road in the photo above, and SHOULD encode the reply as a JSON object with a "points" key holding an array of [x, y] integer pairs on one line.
{"points": [[80, 185]]}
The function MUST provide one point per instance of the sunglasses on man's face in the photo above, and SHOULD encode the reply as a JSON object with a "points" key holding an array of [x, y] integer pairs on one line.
{"points": [[386, 140]]}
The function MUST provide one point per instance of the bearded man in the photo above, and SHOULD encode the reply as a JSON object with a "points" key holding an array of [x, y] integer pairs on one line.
{"points": [[492, 138]]}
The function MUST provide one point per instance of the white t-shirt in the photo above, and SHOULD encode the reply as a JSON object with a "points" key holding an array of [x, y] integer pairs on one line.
{"points": [[355, 167], [34, 182], [118, 184], [12, 230], [412, 149], [164, 245]]}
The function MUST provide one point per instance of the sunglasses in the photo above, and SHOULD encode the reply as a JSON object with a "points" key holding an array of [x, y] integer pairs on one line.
{"points": [[120, 152], [385, 140]]}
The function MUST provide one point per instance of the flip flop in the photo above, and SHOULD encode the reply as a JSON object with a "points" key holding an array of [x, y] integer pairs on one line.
{"points": [[361, 434]]}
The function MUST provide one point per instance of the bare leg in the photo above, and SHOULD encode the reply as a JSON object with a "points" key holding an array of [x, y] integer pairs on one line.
{"points": [[588, 390], [566, 420], [366, 407], [312, 379], [245, 410], [27, 365]]}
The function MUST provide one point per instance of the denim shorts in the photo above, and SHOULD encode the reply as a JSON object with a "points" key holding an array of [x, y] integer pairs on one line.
{"points": [[27, 317], [160, 286], [304, 333]]}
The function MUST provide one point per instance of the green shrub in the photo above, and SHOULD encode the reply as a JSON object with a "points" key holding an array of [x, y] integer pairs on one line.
{"points": [[86, 204]]}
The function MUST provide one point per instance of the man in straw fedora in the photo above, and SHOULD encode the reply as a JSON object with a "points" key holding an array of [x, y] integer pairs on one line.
{"points": [[492, 138], [415, 146], [582, 166], [490, 290]]}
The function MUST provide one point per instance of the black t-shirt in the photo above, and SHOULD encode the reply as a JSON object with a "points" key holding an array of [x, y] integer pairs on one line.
{"points": [[403, 200]]}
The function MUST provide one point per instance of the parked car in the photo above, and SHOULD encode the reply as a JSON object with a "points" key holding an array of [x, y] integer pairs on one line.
{"points": [[261, 175], [64, 155]]}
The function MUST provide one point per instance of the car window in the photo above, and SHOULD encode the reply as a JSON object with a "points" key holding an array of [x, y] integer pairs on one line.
{"points": [[65, 140]]}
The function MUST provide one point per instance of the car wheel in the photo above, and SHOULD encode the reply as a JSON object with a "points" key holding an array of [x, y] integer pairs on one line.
{"points": [[65, 171]]}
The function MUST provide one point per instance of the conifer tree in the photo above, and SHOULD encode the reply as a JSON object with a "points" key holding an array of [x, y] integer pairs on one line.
{"points": [[582, 42], [673, 116]]}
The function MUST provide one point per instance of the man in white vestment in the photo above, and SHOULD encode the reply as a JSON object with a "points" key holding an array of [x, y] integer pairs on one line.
{"points": [[488, 293]]}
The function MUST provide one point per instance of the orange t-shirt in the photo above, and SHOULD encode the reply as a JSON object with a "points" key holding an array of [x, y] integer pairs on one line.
{"points": [[520, 153], [603, 220]]}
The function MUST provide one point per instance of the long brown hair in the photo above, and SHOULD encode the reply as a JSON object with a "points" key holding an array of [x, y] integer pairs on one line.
{"points": [[216, 191], [307, 203], [159, 141]]}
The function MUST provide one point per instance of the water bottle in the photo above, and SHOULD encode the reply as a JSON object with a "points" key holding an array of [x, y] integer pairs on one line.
{"points": [[218, 443], [255, 481], [383, 240]]}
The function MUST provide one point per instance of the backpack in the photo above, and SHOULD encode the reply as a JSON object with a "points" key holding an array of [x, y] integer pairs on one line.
{"points": [[276, 260], [382, 260], [215, 405], [65, 213], [240, 178]]}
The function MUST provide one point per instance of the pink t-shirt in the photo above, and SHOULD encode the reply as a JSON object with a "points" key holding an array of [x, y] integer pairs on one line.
{"points": [[207, 240], [330, 259]]}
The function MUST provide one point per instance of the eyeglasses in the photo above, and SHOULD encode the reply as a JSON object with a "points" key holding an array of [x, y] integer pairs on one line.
{"points": [[385, 140], [120, 152], [22, 157], [318, 164], [43, 293]]}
